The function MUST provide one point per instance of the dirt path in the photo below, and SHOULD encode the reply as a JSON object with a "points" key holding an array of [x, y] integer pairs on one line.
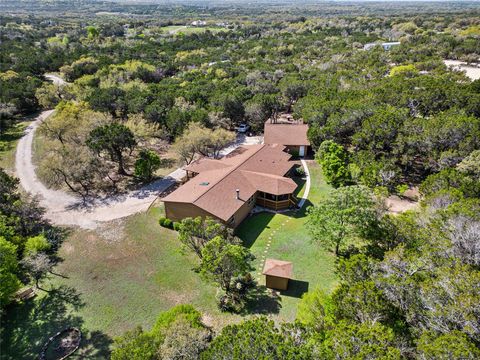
{"points": [[397, 205], [65, 209], [473, 72], [57, 80]]}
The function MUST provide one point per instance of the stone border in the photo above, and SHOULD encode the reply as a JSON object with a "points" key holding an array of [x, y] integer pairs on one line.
{"points": [[52, 338]]}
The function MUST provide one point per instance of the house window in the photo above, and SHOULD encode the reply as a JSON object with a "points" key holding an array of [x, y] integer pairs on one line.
{"points": [[231, 221]]}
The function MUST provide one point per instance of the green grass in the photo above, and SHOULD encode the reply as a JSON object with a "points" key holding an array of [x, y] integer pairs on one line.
{"points": [[319, 189], [312, 266], [126, 272], [39, 148], [138, 267], [8, 142], [115, 277]]}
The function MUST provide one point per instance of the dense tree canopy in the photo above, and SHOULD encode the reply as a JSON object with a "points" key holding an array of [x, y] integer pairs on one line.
{"points": [[27, 241], [380, 121]]}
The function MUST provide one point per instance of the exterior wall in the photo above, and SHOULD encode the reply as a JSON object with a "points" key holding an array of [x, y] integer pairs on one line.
{"points": [[243, 212], [274, 282], [177, 211], [295, 149]]}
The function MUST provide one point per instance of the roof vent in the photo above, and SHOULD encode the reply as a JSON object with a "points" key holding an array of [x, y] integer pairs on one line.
{"points": [[204, 183]]}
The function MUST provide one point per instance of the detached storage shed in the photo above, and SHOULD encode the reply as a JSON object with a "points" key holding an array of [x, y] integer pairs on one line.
{"points": [[277, 273]]}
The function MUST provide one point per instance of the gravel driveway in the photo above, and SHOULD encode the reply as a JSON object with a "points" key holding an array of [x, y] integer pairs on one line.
{"points": [[66, 209]]}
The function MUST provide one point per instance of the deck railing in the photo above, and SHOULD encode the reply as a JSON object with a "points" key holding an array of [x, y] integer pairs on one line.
{"points": [[275, 205]]}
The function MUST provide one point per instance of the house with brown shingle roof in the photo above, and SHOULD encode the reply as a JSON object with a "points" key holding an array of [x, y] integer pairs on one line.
{"points": [[227, 189], [288, 132]]}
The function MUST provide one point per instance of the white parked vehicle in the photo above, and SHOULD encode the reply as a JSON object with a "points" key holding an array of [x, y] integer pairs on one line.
{"points": [[243, 128]]}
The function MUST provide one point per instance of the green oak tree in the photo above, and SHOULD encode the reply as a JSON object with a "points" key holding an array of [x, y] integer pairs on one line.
{"points": [[258, 339], [9, 282], [195, 233], [114, 139], [135, 345], [360, 341], [36, 244], [223, 261], [177, 334], [454, 345], [334, 161], [343, 219]]}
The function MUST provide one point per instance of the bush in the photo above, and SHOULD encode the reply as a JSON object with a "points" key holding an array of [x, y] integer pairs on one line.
{"points": [[235, 300], [295, 153], [226, 303], [161, 221], [36, 244], [177, 226], [300, 171], [168, 223], [185, 311], [147, 163], [401, 188]]}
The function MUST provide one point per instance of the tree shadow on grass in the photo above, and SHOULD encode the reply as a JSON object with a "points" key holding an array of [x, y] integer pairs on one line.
{"points": [[300, 213], [252, 227], [28, 325], [296, 288], [262, 300], [9, 135]]}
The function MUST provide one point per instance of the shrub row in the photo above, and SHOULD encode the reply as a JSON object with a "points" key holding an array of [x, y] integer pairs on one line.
{"points": [[169, 224], [299, 171]]}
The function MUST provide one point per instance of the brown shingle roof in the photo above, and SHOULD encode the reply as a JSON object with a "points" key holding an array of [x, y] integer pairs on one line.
{"points": [[249, 168], [280, 268], [205, 164], [286, 134], [272, 184]]}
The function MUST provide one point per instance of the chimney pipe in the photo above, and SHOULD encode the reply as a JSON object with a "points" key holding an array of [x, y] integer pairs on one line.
{"points": [[238, 194]]}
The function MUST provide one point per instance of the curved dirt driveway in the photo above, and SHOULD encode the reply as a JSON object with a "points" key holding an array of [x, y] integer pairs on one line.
{"points": [[65, 209]]}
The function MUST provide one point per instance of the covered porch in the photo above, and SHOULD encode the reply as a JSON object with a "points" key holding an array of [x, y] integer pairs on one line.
{"points": [[276, 202]]}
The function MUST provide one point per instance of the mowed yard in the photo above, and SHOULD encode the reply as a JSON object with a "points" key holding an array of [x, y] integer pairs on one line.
{"points": [[124, 273], [289, 241]]}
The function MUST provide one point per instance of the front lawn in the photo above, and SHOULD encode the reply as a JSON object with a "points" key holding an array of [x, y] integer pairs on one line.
{"points": [[312, 266]]}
